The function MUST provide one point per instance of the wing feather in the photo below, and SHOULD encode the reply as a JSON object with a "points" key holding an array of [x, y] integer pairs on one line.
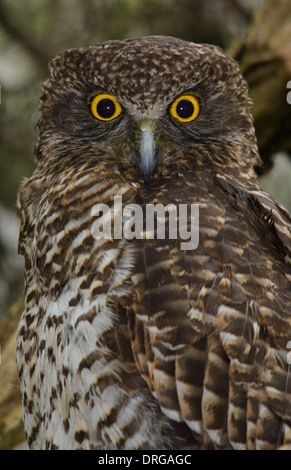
{"points": [[215, 331]]}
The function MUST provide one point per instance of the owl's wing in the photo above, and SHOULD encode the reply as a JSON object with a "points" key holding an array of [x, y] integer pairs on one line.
{"points": [[210, 327]]}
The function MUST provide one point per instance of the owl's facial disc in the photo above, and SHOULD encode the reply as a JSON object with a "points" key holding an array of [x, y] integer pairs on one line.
{"points": [[146, 150]]}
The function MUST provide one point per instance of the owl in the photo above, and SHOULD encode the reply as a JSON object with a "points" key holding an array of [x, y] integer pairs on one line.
{"points": [[147, 326]]}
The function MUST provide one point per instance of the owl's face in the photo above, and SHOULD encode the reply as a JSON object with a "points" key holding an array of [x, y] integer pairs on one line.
{"points": [[137, 100]]}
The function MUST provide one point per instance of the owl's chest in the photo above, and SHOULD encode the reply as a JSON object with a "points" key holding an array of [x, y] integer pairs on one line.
{"points": [[73, 366]]}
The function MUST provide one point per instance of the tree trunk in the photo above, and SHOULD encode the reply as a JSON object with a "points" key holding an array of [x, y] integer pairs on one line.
{"points": [[265, 60], [11, 427]]}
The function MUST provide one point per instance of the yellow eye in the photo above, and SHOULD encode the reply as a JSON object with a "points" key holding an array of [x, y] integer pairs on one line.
{"points": [[185, 108], [105, 107]]}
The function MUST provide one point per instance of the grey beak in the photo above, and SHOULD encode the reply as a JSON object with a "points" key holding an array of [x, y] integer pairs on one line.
{"points": [[147, 154], [146, 151]]}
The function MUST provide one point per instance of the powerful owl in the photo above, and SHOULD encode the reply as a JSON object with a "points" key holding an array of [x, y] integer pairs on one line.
{"points": [[148, 325]]}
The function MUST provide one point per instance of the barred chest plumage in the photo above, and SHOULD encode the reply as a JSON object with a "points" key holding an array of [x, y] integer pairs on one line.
{"points": [[132, 342]]}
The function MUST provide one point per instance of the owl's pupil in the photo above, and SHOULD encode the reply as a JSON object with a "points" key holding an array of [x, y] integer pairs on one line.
{"points": [[185, 109], [106, 108]]}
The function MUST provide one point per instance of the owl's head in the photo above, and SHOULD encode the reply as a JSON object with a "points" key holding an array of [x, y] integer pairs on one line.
{"points": [[146, 101]]}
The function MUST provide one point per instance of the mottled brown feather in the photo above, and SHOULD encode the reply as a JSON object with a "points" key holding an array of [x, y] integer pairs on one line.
{"points": [[137, 344]]}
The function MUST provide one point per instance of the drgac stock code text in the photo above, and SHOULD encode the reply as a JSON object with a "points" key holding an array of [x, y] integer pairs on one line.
{"points": [[144, 459]]}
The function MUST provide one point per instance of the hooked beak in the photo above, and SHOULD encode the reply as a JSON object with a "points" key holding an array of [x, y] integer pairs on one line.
{"points": [[146, 151]]}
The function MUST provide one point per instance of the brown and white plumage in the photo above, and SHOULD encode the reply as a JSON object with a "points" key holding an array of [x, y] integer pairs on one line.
{"points": [[137, 344]]}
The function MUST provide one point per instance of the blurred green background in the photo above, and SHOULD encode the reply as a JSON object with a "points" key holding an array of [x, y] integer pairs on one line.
{"points": [[34, 31]]}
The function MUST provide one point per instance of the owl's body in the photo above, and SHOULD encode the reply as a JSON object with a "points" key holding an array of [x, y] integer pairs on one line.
{"points": [[137, 344]]}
